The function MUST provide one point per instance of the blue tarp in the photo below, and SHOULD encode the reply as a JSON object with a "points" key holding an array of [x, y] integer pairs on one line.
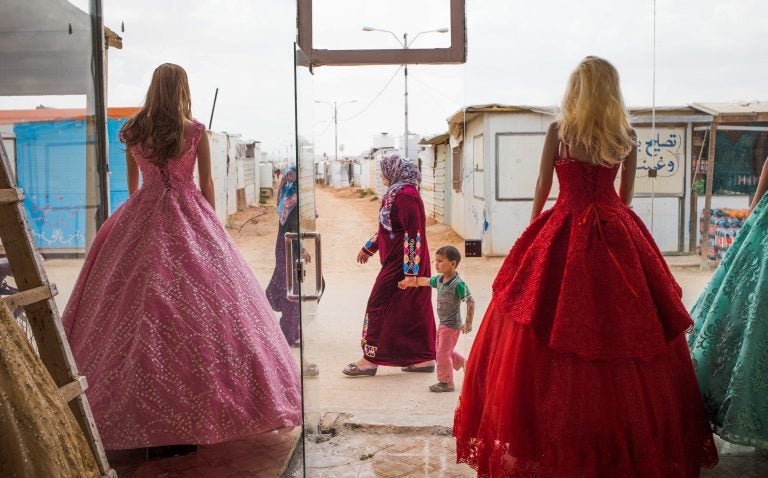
{"points": [[50, 168]]}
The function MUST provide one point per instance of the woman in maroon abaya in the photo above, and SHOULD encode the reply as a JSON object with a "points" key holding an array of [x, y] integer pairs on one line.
{"points": [[399, 325]]}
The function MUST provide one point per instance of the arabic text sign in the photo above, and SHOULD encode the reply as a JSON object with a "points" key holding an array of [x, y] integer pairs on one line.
{"points": [[663, 152]]}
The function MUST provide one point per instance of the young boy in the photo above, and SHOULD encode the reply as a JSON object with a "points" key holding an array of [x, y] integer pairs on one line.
{"points": [[451, 291]]}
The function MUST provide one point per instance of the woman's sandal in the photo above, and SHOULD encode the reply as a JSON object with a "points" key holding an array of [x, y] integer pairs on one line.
{"points": [[413, 368], [311, 370], [352, 370]]}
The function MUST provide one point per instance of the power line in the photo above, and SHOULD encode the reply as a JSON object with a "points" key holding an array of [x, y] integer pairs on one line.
{"points": [[375, 97], [433, 89], [435, 100], [327, 127]]}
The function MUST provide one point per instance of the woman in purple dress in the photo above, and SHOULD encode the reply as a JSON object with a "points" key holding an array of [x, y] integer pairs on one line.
{"points": [[399, 325], [288, 217]]}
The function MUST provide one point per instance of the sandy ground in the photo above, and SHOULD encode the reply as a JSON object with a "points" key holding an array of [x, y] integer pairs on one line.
{"points": [[332, 334]]}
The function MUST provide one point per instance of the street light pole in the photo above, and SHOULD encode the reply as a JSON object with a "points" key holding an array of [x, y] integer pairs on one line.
{"points": [[407, 135], [405, 46]]}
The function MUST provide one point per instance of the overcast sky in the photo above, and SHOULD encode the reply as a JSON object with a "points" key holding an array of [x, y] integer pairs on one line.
{"points": [[520, 52]]}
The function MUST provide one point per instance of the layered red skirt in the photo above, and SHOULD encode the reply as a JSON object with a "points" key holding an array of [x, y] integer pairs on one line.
{"points": [[580, 367]]}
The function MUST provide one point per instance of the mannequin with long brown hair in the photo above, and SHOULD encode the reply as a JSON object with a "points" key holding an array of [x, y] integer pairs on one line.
{"points": [[167, 321]]}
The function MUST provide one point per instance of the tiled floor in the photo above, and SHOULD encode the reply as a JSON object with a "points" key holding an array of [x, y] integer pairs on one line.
{"points": [[397, 455], [738, 462], [357, 454], [386, 455], [260, 456]]}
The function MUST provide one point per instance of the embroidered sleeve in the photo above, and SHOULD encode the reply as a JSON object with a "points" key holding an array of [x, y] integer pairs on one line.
{"points": [[372, 245], [409, 212], [411, 254]]}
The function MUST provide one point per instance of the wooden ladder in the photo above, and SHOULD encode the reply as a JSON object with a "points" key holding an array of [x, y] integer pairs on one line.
{"points": [[36, 296]]}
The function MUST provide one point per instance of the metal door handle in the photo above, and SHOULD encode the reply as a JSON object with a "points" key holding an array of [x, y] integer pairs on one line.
{"points": [[296, 269]]}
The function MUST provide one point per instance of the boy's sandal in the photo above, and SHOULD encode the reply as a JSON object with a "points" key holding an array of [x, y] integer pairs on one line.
{"points": [[353, 370], [413, 368], [441, 387]]}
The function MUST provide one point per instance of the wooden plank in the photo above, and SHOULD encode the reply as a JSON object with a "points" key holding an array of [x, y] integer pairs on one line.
{"points": [[667, 120], [11, 196], [29, 274], [31, 296], [409, 56], [73, 389], [455, 54], [727, 118], [708, 197], [304, 25], [43, 316]]}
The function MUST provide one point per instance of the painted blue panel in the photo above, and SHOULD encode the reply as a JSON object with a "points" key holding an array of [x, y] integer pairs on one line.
{"points": [[118, 183], [50, 162]]}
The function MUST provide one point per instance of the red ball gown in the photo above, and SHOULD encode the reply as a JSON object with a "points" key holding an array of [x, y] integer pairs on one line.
{"points": [[580, 367]]}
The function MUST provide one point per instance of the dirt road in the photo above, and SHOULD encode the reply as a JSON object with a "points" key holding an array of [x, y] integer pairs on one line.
{"points": [[346, 221]]}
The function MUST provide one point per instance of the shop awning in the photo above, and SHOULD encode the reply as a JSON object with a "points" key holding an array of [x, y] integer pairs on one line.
{"points": [[45, 48]]}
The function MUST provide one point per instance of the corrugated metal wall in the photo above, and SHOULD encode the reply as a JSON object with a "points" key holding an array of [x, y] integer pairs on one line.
{"points": [[433, 164], [50, 160], [426, 159], [249, 168], [441, 151]]}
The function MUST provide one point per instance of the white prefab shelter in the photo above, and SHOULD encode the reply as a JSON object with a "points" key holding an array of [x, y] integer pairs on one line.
{"points": [[266, 175], [367, 172], [234, 168], [434, 178], [492, 169], [493, 164], [249, 153], [342, 172]]}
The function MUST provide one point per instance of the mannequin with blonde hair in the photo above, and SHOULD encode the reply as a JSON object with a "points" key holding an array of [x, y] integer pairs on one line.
{"points": [[580, 366], [593, 116]]}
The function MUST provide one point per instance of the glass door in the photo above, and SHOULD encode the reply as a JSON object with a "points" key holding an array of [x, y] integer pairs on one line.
{"points": [[303, 259]]}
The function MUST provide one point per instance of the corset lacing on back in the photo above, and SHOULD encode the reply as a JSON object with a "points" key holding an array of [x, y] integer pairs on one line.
{"points": [[591, 215], [166, 178]]}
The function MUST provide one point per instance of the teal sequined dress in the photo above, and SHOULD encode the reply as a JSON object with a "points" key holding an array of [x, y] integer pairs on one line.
{"points": [[729, 342]]}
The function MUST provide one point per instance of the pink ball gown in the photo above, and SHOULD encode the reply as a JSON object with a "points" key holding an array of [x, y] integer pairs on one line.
{"points": [[170, 326]]}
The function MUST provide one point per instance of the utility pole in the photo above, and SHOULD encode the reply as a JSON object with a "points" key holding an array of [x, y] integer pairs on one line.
{"points": [[335, 131], [336, 106]]}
